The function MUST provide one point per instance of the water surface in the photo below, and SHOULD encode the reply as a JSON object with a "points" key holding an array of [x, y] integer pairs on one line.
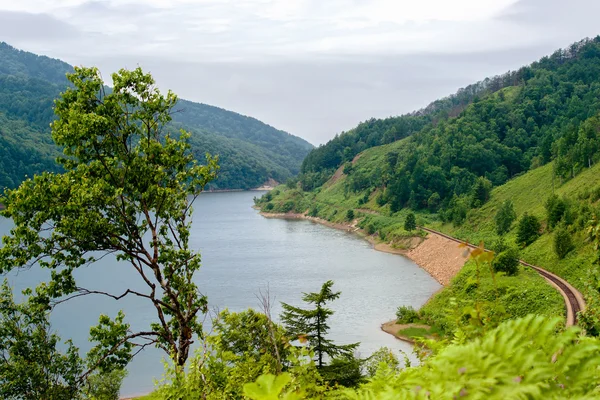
{"points": [[243, 253]]}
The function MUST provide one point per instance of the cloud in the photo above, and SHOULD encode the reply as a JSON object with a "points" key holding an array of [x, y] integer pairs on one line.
{"points": [[22, 26], [311, 67]]}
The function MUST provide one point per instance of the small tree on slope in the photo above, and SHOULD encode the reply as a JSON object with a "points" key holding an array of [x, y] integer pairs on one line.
{"points": [[312, 324]]}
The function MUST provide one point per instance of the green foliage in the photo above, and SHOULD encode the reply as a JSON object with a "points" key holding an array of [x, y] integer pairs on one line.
{"points": [[311, 325], [563, 242], [406, 315], [410, 223], [127, 190], [556, 209], [350, 215], [481, 192], [34, 364], [384, 358], [507, 261], [270, 387], [528, 229], [505, 217], [524, 358], [105, 386]]}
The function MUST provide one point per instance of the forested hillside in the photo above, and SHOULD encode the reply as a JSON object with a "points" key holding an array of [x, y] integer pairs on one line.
{"points": [[503, 127], [250, 151]]}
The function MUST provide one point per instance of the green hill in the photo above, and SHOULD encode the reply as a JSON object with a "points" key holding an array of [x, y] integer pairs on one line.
{"points": [[250, 151], [530, 144]]}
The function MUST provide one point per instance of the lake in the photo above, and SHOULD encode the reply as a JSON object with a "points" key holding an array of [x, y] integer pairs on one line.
{"points": [[242, 254]]}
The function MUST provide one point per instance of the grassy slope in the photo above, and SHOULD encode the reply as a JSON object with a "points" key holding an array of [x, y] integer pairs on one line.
{"points": [[528, 193]]}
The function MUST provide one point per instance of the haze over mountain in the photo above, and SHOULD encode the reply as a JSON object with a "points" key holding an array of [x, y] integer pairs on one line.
{"points": [[250, 151]]}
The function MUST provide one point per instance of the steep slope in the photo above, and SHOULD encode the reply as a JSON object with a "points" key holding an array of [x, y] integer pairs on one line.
{"points": [[250, 151]]}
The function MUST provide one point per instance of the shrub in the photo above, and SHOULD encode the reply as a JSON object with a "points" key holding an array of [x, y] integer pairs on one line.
{"points": [[288, 206], [528, 230], [555, 210], [563, 243], [406, 315], [269, 207], [314, 211], [350, 215], [410, 223], [507, 262]]}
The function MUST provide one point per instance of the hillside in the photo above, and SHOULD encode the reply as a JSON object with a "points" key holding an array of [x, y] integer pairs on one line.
{"points": [[531, 148], [250, 151]]}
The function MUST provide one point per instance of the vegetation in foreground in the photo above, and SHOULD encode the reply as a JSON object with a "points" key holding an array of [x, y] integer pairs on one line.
{"points": [[124, 182]]}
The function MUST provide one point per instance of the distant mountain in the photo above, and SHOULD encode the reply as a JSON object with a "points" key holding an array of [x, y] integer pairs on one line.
{"points": [[250, 151]]}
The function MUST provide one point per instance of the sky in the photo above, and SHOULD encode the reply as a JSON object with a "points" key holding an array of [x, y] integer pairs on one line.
{"points": [[313, 68]]}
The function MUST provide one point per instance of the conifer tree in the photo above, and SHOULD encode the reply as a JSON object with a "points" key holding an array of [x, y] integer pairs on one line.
{"points": [[311, 324]]}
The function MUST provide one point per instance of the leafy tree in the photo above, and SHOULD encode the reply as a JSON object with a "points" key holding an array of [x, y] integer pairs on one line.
{"points": [[410, 223], [127, 190], [505, 217], [34, 364], [528, 229], [563, 242], [311, 324]]}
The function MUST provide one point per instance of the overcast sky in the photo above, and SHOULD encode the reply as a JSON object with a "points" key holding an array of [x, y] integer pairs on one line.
{"points": [[311, 67]]}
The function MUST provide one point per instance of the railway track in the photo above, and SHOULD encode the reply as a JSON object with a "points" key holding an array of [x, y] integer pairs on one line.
{"points": [[574, 302]]}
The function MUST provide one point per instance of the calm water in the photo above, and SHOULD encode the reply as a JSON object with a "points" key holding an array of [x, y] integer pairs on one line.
{"points": [[243, 253]]}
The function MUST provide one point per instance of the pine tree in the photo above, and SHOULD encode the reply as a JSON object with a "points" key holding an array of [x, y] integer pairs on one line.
{"points": [[312, 325]]}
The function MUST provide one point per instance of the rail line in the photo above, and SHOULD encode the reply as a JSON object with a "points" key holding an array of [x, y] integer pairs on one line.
{"points": [[574, 302]]}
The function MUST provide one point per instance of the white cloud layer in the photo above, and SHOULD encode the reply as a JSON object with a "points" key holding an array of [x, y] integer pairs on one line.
{"points": [[312, 67]]}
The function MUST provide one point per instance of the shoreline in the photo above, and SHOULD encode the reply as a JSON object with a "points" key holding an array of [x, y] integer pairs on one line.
{"points": [[437, 256], [431, 253]]}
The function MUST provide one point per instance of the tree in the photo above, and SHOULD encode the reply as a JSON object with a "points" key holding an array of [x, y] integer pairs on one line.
{"points": [[528, 229], [32, 365], [507, 261], [410, 223], [127, 189], [350, 214], [481, 192], [563, 243], [311, 325], [505, 217]]}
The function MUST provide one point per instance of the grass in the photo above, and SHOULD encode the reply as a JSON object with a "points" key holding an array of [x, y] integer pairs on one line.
{"points": [[417, 332]]}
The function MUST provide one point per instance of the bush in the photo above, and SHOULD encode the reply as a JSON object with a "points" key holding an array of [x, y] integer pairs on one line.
{"points": [[288, 206], [410, 223], [507, 262], [528, 230], [406, 315], [314, 211], [563, 243], [269, 207], [350, 215]]}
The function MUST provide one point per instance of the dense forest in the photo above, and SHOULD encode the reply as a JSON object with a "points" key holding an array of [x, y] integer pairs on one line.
{"points": [[250, 151], [481, 137]]}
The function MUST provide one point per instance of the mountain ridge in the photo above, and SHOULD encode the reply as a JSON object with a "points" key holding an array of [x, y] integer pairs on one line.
{"points": [[251, 152]]}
